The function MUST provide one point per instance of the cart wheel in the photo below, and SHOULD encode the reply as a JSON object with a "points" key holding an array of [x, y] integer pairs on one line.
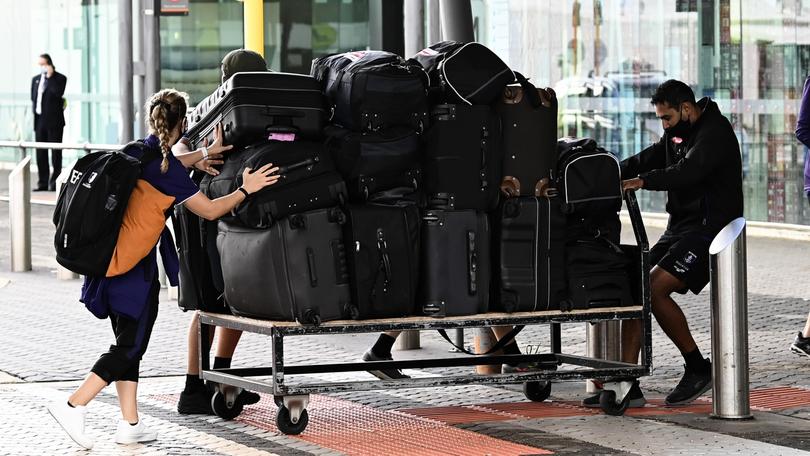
{"points": [[607, 401], [537, 391], [222, 409], [285, 424]]}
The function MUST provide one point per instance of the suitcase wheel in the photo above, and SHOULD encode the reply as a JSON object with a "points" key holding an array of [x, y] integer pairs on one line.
{"points": [[311, 317]]}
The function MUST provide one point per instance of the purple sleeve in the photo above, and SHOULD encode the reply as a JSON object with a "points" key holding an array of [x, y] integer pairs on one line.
{"points": [[175, 182], [803, 131]]}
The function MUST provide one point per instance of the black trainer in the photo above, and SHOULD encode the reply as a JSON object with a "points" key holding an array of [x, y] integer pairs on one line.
{"points": [[197, 402], [245, 397], [691, 386], [636, 398], [385, 374], [801, 345]]}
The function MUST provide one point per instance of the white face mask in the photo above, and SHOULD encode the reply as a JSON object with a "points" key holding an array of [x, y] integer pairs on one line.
{"points": [[43, 69]]}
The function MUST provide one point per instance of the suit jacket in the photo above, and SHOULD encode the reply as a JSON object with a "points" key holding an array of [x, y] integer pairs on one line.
{"points": [[53, 115]]}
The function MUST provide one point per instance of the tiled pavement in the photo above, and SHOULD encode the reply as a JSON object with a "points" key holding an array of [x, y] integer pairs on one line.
{"points": [[49, 341]]}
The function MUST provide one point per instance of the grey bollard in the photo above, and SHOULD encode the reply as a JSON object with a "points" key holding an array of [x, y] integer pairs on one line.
{"points": [[407, 340], [62, 273], [729, 314], [19, 189], [603, 341]]}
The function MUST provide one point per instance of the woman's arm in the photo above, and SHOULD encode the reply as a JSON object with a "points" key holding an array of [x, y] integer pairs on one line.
{"points": [[253, 182]]}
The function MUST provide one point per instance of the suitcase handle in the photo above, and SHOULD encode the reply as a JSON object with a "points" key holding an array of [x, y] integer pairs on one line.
{"points": [[385, 261], [282, 170], [472, 264], [313, 274], [484, 151], [529, 90]]}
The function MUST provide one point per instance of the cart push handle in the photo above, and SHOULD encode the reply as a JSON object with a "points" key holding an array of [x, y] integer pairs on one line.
{"points": [[635, 219]]}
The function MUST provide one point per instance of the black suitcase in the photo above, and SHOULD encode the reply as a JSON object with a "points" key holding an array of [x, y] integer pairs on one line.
{"points": [[250, 106], [373, 90], [455, 263], [373, 162], [197, 285], [309, 181], [463, 158], [529, 139], [383, 259], [530, 255], [295, 270], [467, 73]]}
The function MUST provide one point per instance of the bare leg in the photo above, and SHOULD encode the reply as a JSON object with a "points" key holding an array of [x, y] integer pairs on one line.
{"points": [[667, 312], [88, 390], [806, 332], [501, 331], [631, 340], [128, 400], [194, 345], [227, 341], [392, 334]]}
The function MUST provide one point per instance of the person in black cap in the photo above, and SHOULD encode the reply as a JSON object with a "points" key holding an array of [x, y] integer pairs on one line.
{"points": [[196, 397]]}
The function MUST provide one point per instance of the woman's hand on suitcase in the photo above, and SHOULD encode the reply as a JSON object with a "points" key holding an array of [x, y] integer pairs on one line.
{"points": [[253, 181], [215, 151]]}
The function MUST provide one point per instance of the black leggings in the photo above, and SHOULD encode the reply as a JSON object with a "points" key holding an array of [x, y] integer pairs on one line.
{"points": [[122, 362]]}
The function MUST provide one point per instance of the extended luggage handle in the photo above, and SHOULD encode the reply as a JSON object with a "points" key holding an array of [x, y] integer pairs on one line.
{"points": [[472, 263], [500, 344]]}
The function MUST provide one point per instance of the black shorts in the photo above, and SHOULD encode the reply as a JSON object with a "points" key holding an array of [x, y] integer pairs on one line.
{"points": [[685, 256]]}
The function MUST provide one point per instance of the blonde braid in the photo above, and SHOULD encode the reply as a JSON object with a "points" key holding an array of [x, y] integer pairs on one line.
{"points": [[166, 109]]}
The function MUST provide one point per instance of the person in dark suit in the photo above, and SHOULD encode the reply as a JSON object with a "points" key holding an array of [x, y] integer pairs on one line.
{"points": [[47, 89]]}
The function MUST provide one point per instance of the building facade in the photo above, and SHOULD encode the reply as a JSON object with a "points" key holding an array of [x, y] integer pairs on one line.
{"points": [[603, 57]]}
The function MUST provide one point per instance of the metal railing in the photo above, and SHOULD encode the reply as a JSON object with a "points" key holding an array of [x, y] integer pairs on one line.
{"points": [[87, 147]]}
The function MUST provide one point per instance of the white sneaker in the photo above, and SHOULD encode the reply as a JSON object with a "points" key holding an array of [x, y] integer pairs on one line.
{"points": [[139, 433], [72, 421]]}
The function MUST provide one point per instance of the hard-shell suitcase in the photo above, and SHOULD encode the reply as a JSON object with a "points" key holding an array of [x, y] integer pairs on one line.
{"points": [[308, 181], [467, 73], [455, 263], [383, 257], [374, 90], [530, 255], [252, 105], [373, 162], [529, 139], [463, 158], [296, 270]]}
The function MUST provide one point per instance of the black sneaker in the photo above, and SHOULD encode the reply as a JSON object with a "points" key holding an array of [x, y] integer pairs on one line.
{"points": [[801, 345], [637, 399], [385, 374], [196, 402], [691, 386]]}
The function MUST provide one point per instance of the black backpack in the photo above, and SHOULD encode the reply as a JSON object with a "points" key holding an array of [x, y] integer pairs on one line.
{"points": [[588, 179], [91, 207]]}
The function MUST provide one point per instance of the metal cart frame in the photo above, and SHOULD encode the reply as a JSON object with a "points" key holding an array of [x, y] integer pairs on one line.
{"points": [[293, 399]]}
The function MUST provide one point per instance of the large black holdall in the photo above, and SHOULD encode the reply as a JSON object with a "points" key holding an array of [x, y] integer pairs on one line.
{"points": [[529, 117], [250, 106], [467, 73], [374, 162], [200, 283], [455, 263], [373, 90], [588, 179], [383, 257], [296, 270], [530, 255], [308, 181], [463, 158]]}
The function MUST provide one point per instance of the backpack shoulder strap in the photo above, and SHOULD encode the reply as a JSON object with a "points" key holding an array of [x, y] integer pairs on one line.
{"points": [[148, 154]]}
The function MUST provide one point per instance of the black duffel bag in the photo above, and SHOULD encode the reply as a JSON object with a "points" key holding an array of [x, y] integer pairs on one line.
{"points": [[375, 162], [373, 90], [464, 72]]}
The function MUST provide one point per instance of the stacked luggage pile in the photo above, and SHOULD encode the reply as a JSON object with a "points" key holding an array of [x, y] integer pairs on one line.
{"points": [[437, 188]]}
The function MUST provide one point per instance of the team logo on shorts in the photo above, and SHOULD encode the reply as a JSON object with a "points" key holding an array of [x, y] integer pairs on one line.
{"points": [[689, 258]]}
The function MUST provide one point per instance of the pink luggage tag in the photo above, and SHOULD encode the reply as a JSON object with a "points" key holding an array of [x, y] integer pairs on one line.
{"points": [[287, 137]]}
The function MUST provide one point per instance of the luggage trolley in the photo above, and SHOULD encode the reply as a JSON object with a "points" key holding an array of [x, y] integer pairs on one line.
{"points": [[292, 398]]}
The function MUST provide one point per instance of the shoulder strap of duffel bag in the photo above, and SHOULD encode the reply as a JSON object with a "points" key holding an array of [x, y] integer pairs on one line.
{"points": [[502, 342]]}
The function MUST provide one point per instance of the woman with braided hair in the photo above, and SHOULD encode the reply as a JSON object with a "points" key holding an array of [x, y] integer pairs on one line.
{"points": [[132, 298]]}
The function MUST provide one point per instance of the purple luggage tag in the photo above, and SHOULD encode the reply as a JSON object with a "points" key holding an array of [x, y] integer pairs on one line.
{"points": [[286, 137]]}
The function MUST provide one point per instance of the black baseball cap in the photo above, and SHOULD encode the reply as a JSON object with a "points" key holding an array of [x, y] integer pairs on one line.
{"points": [[240, 61]]}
